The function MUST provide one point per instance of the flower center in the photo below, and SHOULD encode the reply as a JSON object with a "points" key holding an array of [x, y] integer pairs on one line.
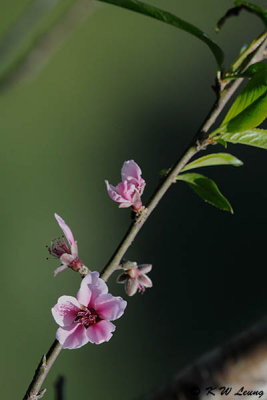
{"points": [[87, 317], [58, 247]]}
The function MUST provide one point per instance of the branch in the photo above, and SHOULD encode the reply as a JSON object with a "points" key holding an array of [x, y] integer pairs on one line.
{"points": [[240, 362], [198, 143]]}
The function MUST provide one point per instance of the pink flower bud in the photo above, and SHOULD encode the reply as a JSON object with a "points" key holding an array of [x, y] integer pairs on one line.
{"points": [[134, 277], [128, 192], [87, 318]]}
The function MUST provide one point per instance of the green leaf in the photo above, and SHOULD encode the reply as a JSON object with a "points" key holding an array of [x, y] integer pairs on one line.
{"points": [[249, 118], [213, 159], [206, 189], [253, 137], [222, 142], [168, 18], [254, 69], [254, 89], [260, 12]]}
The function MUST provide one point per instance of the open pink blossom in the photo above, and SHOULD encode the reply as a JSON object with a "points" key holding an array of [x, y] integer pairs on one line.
{"points": [[134, 277], [87, 318], [66, 252], [129, 191]]}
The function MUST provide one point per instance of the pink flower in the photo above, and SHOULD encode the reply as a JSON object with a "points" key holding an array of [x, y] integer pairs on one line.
{"points": [[128, 192], [87, 318], [66, 252], [135, 277]]}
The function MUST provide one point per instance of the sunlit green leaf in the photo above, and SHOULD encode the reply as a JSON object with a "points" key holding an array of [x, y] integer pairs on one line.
{"points": [[249, 118], [254, 89], [206, 189], [164, 16], [254, 137], [213, 159]]}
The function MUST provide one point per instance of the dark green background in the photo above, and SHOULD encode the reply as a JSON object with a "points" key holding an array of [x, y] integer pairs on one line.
{"points": [[123, 87]]}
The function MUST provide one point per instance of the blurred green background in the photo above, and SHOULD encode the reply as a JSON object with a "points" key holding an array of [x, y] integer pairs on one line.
{"points": [[123, 86]]}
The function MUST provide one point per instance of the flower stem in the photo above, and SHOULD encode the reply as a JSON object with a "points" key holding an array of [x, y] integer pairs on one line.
{"points": [[198, 143]]}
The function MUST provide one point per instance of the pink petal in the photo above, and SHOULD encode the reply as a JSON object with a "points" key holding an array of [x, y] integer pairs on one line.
{"points": [[91, 287], [60, 269], [126, 190], [66, 230], [100, 332], [114, 195], [137, 203], [130, 171], [65, 311], [110, 307], [145, 268], [72, 337], [131, 286], [125, 205], [145, 280], [66, 258], [84, 293], [74, 249]]}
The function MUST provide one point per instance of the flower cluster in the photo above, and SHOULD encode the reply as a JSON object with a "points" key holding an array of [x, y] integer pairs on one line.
{"points": [[87, 318], [129, 191]]}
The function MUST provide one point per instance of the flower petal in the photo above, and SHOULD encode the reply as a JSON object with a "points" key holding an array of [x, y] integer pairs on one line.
{"points": [[145, 280], [72, 337], [110, 307], [60, 269], [66, 259], [84, 293], [91, 287], [74, 249], [66, 230], [145, 268], [65, 311], [114, 195], [131, 286], [100, 332], [130, 171]]}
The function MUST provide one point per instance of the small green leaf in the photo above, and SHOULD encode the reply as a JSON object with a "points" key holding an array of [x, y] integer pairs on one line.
{"points": [[222, 142], [206, 189], [213, 159], [254, 89], [248, 73], [168, 18], [253, 137]]}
